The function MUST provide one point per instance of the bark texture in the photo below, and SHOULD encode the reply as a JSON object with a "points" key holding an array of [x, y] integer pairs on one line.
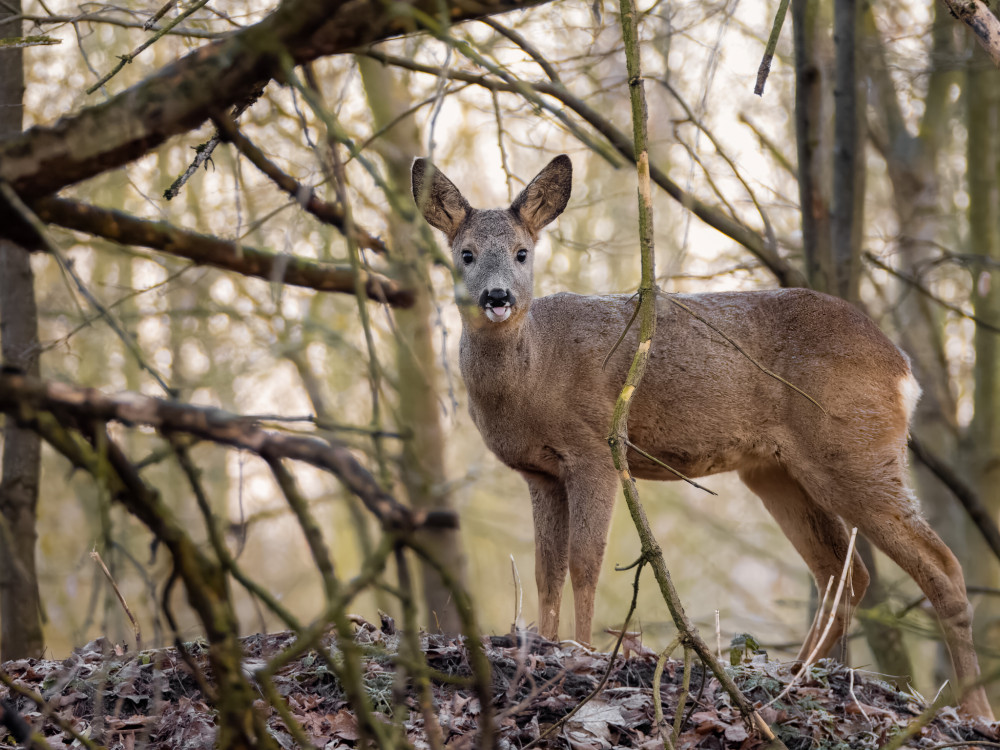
{"points": [[20, 608]]}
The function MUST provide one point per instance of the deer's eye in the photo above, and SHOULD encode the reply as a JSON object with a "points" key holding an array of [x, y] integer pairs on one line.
{"points": [[522, 255], [467, 257]]}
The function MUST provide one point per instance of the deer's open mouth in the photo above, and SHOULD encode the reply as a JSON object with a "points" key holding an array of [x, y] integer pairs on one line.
{"points": [[497, 313]]}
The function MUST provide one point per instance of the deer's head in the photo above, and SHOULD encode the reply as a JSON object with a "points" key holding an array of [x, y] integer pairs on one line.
{"points": [[493, 249]]}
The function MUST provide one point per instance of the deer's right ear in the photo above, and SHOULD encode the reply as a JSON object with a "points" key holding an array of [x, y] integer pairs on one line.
{"points": [[438, 199]]}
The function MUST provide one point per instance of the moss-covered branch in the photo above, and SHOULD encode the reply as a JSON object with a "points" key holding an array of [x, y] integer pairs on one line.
{"points": [[18, 392]]}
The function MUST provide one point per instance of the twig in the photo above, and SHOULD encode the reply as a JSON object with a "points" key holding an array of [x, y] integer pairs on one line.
{"points": [[310, 527], [916, 284], [202, 154], [28, 215], [770, 373], [96, 556], [217, 540], [977, 511], [333, 167], [35, 743], [204, 151], [718, 635], [850, 690], [657, 701], [148, 26], [541, 60], [20, 42], [628, 327], [720, 149], [329, 213], [683, 695], [124, 60], [651, 551], [518, 594], [669, 468], [98, 17], [611, 663], [770, 145], [418, 662], [481, 669], [844, 574], [772, 43]]}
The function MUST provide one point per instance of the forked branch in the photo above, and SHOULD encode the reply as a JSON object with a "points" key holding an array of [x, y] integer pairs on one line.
{"points": [[618, 438]]}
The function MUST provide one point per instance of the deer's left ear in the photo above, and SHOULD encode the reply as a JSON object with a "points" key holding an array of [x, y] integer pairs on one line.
{"points": [[546, 196]]}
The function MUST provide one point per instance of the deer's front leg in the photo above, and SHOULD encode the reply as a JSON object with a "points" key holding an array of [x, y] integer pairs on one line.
{"points": [[551, 515], [591, 502]]}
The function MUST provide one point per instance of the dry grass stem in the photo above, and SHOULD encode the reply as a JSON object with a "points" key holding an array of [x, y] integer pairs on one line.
{"points": [[96, 556]]}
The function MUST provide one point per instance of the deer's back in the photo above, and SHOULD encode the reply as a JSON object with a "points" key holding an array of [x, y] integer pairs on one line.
{"points": [[703, 406]]}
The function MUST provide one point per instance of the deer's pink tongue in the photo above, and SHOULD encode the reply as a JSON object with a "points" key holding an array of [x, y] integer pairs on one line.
{"points": [[501, 313]]}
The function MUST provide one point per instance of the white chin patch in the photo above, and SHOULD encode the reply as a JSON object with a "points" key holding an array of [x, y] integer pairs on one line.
{"points": [[498, 314]]}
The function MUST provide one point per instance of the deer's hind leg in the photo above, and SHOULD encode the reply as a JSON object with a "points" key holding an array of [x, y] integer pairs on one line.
{"points": [[821, 538], [550, 511], [873, 495], [893, 522]]}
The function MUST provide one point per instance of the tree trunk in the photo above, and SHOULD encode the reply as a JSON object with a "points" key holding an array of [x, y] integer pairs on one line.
{"points": [[982, 444], [20, 607], [423, 471], [813, 134], [849, 166]]}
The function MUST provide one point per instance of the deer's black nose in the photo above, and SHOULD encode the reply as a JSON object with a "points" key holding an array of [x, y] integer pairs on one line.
{"points": [[496, 298]]}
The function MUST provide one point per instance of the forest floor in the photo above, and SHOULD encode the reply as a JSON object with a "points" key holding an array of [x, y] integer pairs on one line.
{"points": [[151, 700]]}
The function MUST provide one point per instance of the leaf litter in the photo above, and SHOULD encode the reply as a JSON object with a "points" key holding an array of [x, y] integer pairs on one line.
{"points": [[151, 700]]}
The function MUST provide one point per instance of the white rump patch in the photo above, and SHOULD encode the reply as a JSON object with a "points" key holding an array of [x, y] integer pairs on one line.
{"points": [[909, 393]]}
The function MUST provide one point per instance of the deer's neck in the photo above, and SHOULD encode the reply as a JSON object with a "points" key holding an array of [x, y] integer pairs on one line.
{"points": [[496, 361]]}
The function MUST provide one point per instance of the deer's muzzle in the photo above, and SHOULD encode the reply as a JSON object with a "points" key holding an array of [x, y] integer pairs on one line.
{"points": [[497, 304]]}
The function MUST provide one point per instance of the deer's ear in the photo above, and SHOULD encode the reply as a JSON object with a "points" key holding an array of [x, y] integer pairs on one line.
{"points": [[546, 196], [438, 199]]}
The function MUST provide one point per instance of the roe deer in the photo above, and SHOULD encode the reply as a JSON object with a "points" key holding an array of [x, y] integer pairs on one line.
{"points": [[543, 403]]}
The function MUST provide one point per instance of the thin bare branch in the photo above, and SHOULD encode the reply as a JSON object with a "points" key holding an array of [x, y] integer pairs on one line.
{"points": [[100, 17], [920, 287], [124, 60], [975, 507], [208, 250], [329, 213], [770, 373], [772, 44], [126, 338]]}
